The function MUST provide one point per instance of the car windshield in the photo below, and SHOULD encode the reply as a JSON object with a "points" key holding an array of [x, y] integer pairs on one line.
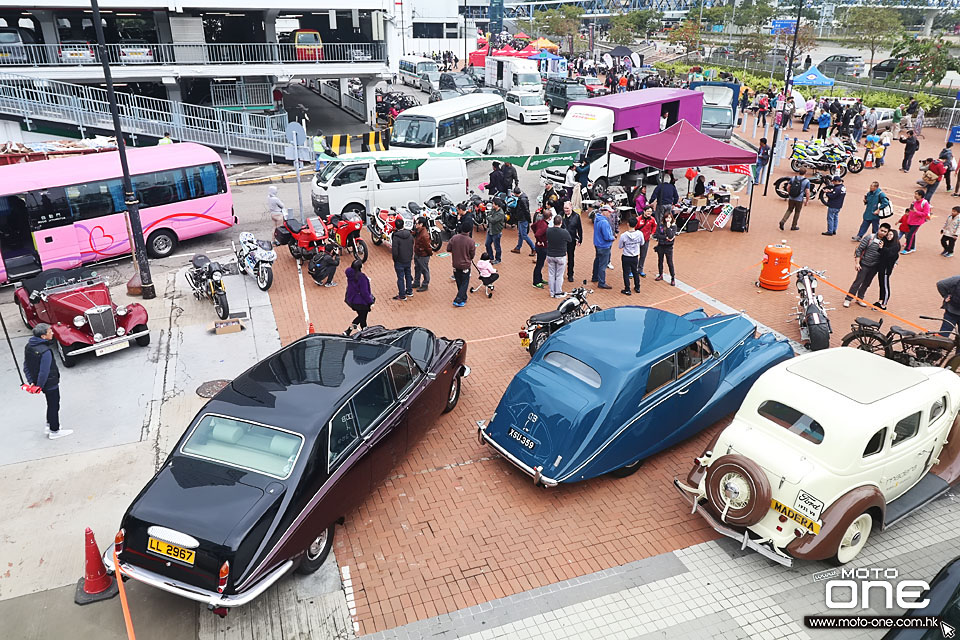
{"points": [[428, 67], [531, 101], [792, 420], [528, 78], [564, 144], [576, 368], [307, 37], [717, 115], [328, 172], [576, 91], [592, 81], [463, 81], [414, 132], [244, 445]]}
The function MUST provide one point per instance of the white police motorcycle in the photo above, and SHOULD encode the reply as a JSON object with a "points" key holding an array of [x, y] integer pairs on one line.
{"points": [[256, 258]]}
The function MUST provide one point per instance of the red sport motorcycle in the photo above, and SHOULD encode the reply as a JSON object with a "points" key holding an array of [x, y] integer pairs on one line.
{"points": [[306, 240], [344, 231]]}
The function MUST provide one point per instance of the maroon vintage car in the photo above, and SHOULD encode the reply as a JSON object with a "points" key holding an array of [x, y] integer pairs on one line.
{"points": [[77, 304]]}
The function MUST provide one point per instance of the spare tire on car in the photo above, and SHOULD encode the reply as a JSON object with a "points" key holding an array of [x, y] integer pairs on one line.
{"points": [[740, 482]]}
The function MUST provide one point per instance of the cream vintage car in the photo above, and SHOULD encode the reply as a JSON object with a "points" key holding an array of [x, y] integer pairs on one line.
{"points": [[825, 448]]}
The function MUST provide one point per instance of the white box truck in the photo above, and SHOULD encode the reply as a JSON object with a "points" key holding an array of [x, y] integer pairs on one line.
{"points": [[512, 74]]}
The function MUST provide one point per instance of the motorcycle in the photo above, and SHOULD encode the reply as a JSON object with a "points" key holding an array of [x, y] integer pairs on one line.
{"points": [[434, 225], [206, 281], [476, 205], [303, 240], [343, 230], [541, 325], [820, 184], [925, 349], [818, 157], [256, 258], [811, 314], [384, 223], [446, 212]]}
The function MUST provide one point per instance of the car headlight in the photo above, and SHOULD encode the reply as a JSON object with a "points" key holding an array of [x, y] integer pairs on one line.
{"points": [[121, 310], [97, 337], [121, 331], [215, 276], [323, 198], [79, 321]]}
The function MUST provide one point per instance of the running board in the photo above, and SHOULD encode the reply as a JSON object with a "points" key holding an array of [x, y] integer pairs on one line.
{"points": [[927, 490]]}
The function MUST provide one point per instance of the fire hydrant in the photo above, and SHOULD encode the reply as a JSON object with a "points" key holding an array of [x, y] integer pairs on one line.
{"points": [[775, 273]]}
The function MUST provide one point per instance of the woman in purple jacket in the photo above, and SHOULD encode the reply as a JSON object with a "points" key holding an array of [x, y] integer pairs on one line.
{"points": [[359, 298]]}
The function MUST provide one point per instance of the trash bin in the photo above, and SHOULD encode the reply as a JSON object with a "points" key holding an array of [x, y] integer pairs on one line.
{"points": [[775, 273]]}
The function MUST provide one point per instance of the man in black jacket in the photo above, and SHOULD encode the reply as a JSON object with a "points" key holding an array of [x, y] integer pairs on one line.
{"points": [[521, 215], [40, 368], [835, 197], [496, 183], [571, 222], [912, 145], [510, 178], [949, 290], [402, 249]]}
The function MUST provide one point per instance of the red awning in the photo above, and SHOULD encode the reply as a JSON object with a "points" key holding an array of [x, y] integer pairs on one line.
{"points": [[681, 146], [522, 35]]}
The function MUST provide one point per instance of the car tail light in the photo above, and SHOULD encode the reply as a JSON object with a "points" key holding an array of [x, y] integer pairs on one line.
{"points": [[118, 542], [523, 334], [60, 51], [149, 52], [783, 518], [224, 576]]}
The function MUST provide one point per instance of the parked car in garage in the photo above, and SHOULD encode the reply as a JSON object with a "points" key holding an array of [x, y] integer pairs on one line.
{"points": [[816, 458], [617, 386], [13, 49], [256, 484], [76, 52], [135, 51], [841, 65], [77, 304], [525, 106]]}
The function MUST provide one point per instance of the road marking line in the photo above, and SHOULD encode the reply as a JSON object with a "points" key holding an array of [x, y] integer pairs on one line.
{"points": [[303, 295]]}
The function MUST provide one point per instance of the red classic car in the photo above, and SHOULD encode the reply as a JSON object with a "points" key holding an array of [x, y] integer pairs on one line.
{"points": [[594, 85], [77, 304]]}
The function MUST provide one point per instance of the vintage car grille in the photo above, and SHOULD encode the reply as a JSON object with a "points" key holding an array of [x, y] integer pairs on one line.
{"points": [[102, 321]]}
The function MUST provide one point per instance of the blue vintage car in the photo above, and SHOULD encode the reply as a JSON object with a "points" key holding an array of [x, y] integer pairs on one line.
{"points": [[618, 386]]}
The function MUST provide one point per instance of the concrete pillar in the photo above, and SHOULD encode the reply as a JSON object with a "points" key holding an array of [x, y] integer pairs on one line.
{"points": [[928, 17], [270, 25], [161, 20], [370, 101], [48, 29], [175, 97]]}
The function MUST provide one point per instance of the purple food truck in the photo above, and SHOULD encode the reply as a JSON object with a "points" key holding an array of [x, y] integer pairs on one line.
{"points": [[591, 125]]}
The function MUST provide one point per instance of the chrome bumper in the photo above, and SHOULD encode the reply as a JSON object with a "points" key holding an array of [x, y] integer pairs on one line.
{"points": [[534, 472], [465, 371], [744, 538], [197, 594], [108, 343]]}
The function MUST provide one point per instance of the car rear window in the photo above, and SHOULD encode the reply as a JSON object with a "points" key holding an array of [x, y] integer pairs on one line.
{"points": [[792, 420], [244, 445], [577, 368]]}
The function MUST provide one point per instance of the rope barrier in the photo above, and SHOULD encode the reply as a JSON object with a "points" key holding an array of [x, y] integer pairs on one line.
{"points": [[123, 598]]}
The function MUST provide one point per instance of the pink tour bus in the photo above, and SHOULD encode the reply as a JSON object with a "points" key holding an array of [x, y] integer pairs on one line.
{"points": [[69, 211]]}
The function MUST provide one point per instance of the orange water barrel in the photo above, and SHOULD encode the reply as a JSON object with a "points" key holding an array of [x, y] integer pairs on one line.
{"points": [[775, 273]]}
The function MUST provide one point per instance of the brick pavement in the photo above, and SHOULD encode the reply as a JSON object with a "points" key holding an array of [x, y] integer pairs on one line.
{"points": [[455, 526]]}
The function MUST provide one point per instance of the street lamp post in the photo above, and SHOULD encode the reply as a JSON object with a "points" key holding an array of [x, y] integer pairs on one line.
{"points": [[134, 227], [787, 92]]}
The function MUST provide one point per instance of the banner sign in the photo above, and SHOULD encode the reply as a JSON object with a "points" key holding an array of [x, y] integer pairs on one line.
{"points": [[742, 169], [544, 161], [723, 216]]}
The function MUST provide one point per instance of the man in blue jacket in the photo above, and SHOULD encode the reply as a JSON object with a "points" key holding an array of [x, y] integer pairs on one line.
{"points": [[835, 197], [602, 240], [41, 370]]}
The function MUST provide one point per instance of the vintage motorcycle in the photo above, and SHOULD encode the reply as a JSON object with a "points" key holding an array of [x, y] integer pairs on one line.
{"points": [[541, 325], [343, 230], [206, 281], [811, 314], [384, 223], [256, 258], [303, 240], [926, 349]]}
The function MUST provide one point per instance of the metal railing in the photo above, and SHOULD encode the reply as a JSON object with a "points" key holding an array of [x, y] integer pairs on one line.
{"points": [[241, 94], [87, 107], [330, 90], [355, 106], [190, 53]]}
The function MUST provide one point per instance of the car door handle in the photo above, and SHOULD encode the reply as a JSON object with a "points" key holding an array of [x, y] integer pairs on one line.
{"points": [[683, 393]]}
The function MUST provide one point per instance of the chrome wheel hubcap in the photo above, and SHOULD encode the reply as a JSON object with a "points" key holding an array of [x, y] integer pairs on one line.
{"points": [[735, 490], [316, 547], [161, 244], [454, 388]]}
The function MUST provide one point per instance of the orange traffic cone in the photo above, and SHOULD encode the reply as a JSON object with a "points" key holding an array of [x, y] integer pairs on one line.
{"points": [[868, 163], [310, 329], [96, 584]]}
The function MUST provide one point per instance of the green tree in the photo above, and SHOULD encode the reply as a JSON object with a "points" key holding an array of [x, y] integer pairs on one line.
{"points": [[622, 29], [687, 34], [754, 44], [716, 14], [873, 28], [561, 22], [754, 14], [646, 21], [932, 56]]}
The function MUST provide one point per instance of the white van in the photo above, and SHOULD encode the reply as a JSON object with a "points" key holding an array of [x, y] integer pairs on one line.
{"points": [[347, 184]]}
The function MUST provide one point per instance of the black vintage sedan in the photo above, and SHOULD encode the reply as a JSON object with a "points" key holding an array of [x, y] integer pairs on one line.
{"points": [[254, 487]]}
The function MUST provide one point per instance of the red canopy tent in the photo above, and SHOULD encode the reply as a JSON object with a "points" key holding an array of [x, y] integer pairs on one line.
{"points": [[681, 146], [521, 36], [507, 50], [478, 58], [527, 51]]}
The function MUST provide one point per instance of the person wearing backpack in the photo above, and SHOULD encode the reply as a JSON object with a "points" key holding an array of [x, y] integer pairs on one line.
{"points": [[835, 198], [874, 200], [799, 196]]}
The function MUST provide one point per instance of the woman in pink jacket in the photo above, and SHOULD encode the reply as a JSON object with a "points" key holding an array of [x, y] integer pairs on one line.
{"points": [[917, 214]]}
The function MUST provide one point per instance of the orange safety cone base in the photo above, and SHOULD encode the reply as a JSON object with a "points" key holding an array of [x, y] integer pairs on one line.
{"points": [[96, 584]]}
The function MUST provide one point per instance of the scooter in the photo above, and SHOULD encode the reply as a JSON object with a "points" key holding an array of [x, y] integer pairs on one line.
{"points": [[541, 325], [256, 258], [206, 281], [811, 314]]}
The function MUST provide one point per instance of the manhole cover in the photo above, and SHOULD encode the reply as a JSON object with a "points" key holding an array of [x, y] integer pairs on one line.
{"points": [[211, 388]]}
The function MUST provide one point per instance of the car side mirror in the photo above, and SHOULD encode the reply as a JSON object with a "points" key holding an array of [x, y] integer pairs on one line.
{"points": [[431, 375]]}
